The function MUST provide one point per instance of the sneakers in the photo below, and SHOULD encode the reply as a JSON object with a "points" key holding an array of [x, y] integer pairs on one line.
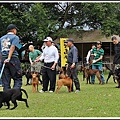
{"points": [[41, 91], [77, 91], [92, 82], [51, 91]]}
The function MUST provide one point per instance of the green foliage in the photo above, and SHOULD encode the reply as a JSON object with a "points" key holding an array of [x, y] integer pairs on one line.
{"points": [[38, 20]]}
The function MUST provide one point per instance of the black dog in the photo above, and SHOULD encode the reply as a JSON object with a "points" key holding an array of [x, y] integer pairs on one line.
{"points": [[117, 77], [111, 73], [12, 95]]}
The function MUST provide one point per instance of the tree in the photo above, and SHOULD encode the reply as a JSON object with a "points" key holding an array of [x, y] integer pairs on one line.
{"points": [[38, 20]]}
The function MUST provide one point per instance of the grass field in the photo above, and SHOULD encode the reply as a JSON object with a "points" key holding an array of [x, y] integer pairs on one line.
{"points": [[92, 101]]}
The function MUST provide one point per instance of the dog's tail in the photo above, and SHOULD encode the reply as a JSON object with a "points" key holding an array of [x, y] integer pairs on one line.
{"points": [[24, 92], [107, 67]]}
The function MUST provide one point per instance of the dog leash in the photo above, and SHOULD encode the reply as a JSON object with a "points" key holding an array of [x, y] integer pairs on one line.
{"points": [[46, 67], [2, 71]]}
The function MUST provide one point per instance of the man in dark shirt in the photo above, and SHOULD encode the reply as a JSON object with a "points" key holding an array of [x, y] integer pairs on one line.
{"points": [[72, 59], [116, 60]]}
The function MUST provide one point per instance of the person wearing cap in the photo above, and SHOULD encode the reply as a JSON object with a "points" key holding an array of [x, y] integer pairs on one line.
{"points": [[9, 44], [97, 63], [72, 60], [35, 66], [50, 56], [116, 60]]}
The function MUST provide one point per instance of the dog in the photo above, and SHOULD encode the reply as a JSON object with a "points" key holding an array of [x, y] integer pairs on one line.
{"points": [[116, 75], [35, 82], [12, 95], [62, 73], [88, 72], [67, 81], [111, 73], [28, 76]]}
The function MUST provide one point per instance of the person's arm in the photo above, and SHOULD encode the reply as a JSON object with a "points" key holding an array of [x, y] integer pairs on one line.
{"points": [[30, 61], [12, 48], [88, 56], [56, 59], [75, 56], [39, 54], [100, 58]]}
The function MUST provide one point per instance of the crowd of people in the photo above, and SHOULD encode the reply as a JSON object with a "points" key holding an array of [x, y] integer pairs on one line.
{"points": [[49, 56]]}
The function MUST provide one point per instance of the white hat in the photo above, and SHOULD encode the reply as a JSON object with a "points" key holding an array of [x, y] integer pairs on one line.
{"points": [[48, 39]]}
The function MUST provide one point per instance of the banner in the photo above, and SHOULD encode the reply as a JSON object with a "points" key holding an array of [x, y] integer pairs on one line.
{"points": [[64, 52]]}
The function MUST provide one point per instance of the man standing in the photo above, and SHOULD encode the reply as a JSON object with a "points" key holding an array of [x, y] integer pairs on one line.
{"points": [[116, 60], [97, 63], [50, 56], [35, 66], [9, 44], [72, 60]]}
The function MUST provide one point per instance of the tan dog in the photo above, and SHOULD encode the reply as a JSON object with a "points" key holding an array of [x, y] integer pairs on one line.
{"points": [[67, 81], [61, 73], [88, 72], [35, 82]]}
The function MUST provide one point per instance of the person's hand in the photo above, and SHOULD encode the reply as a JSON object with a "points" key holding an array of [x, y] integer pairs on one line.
{"points": [[72, 66], [6, 60], [53, 67], [95, 54], [94, 61], [87, 62], [36, 60]]}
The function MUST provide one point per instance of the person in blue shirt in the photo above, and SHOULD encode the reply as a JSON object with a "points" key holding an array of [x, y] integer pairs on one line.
{"points": [[9, 44], [72, 60]]}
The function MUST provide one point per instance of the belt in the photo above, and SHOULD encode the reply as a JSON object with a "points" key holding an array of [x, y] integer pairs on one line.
{"points": [[48, 62]]}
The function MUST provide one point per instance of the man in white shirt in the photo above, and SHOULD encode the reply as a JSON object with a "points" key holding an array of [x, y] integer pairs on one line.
{"points": [[50, 56]]}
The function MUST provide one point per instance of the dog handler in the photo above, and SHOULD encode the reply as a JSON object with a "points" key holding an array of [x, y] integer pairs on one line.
{"points": [[97, 63], [116, 60], [50, 56], [8, 45], [35, 66], [72, 60]]}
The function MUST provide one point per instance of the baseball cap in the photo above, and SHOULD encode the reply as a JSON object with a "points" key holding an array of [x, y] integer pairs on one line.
{"points": [[12, 26], [69, 40], [48, 39], [99, 42]]}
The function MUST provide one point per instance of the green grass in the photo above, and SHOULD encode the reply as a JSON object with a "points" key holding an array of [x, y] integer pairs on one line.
{"points": [[92, 101]]}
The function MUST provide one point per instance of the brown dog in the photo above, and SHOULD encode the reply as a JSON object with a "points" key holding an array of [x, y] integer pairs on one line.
{"points": [[88, 72], [35, 82], [62, 74], [67, 81]]}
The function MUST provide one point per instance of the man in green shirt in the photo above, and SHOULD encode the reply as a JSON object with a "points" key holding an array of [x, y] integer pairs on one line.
{"points": [[33, 54], [97, 63]]}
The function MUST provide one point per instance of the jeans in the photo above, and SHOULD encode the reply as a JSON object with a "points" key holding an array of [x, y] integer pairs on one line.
{"points": [[99, 67], [72, 73]]}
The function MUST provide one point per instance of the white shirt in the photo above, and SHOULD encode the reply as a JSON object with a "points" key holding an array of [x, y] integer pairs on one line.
{"points": [[88, 56], [50, 54]]}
